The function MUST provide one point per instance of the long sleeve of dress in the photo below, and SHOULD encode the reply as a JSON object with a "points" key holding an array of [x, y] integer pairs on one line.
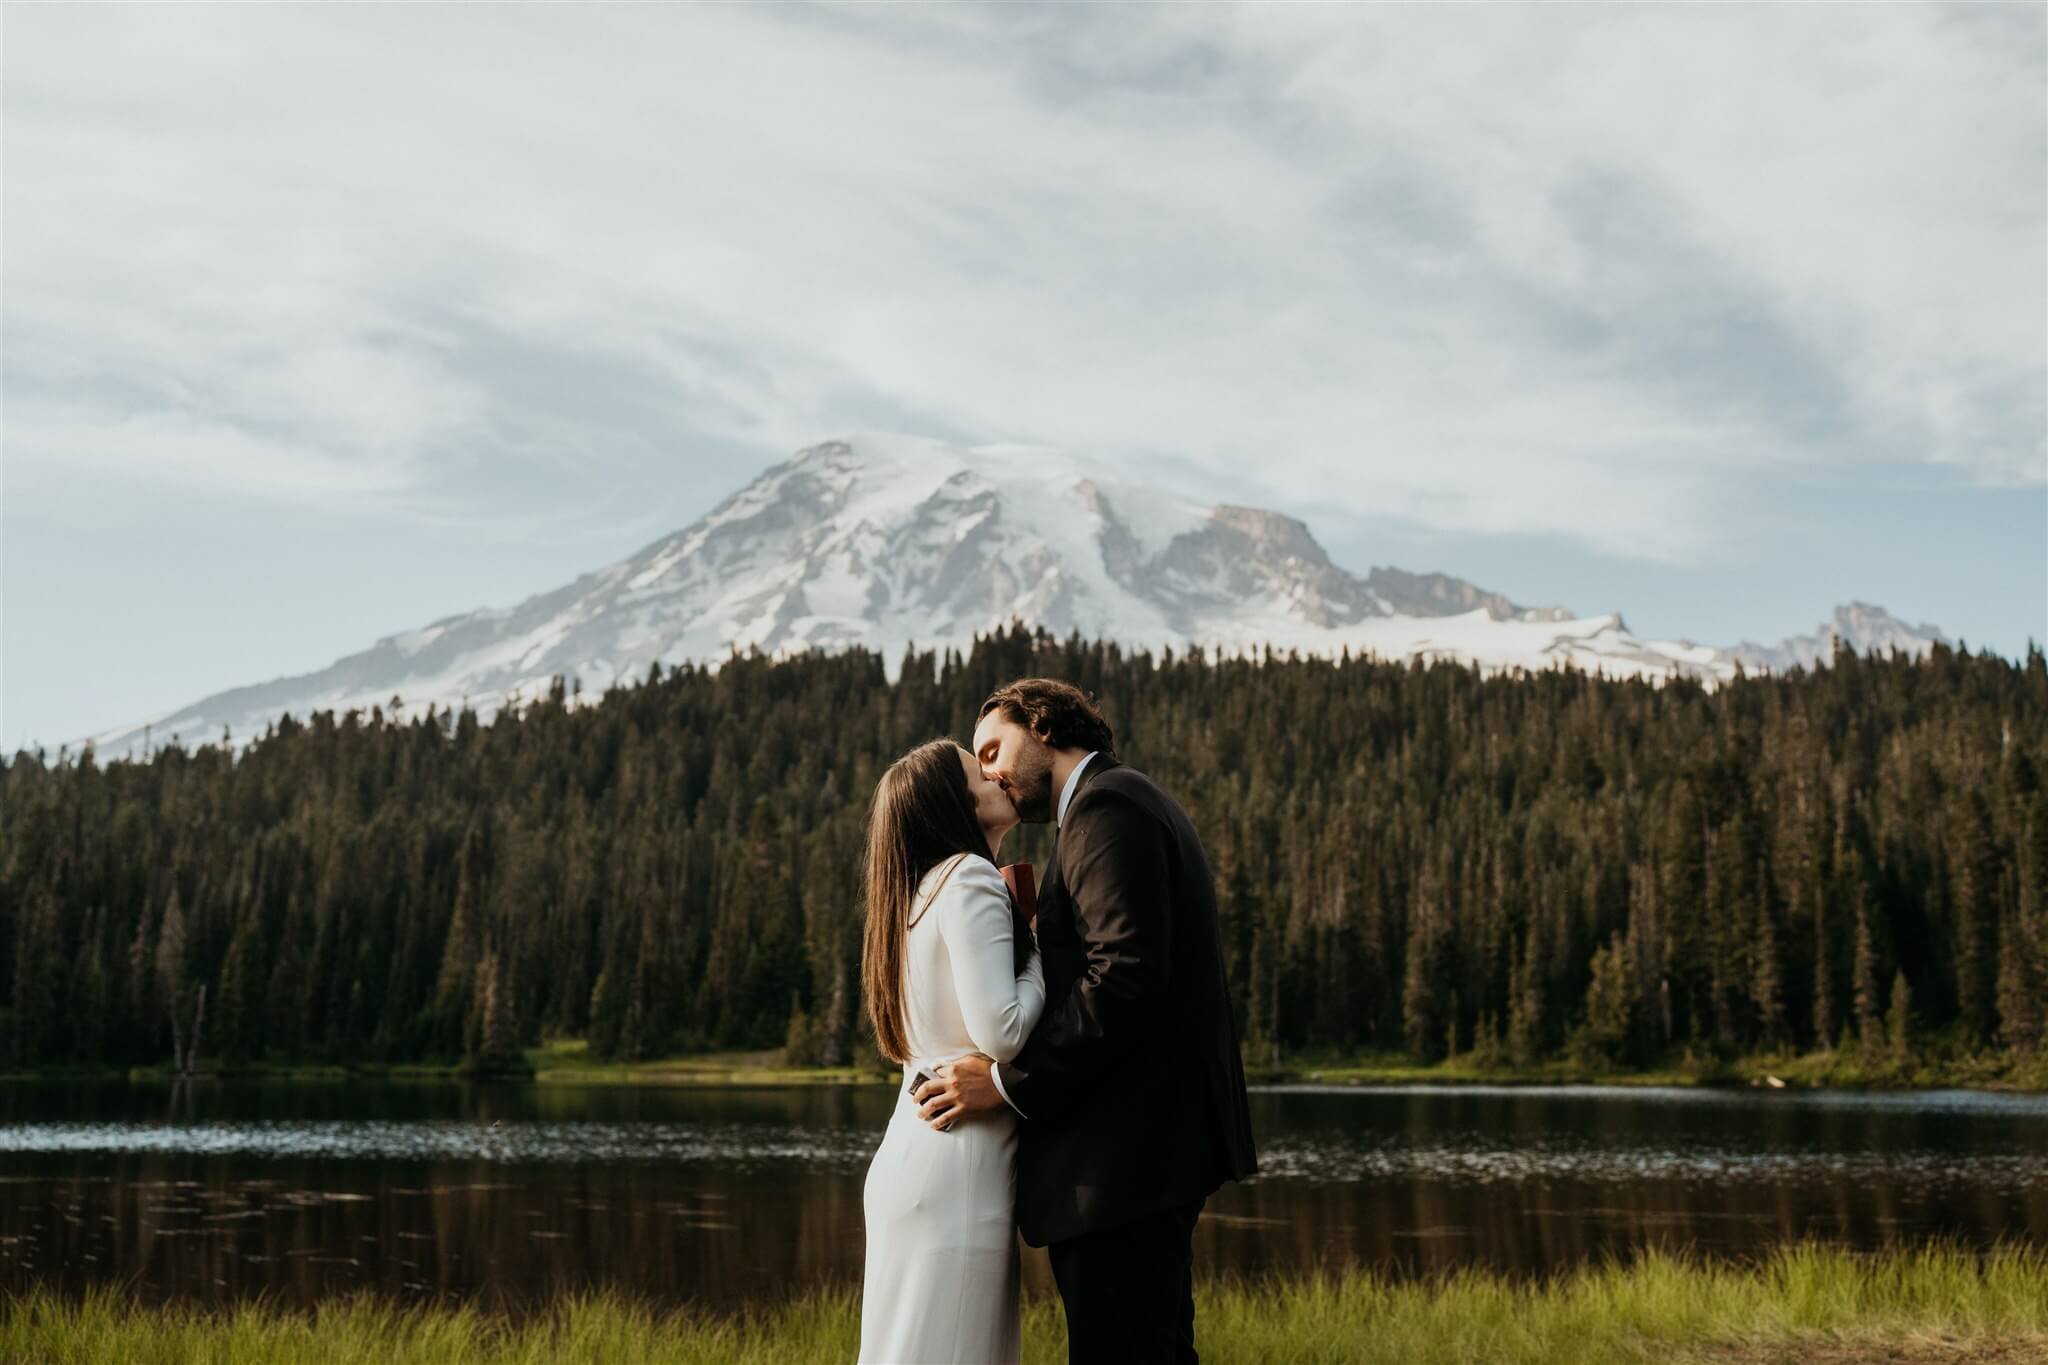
{"points": [[999, 1004]]}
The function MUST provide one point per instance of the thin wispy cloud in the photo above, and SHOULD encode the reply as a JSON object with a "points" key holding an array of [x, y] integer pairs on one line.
{"points": [[1500, 270]]}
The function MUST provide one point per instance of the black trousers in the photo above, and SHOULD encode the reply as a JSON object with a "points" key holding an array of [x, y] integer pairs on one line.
{"points": [[1129, 1291]]}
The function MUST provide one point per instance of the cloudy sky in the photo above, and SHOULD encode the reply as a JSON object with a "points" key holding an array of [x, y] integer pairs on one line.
{"points": [[321, 323]]}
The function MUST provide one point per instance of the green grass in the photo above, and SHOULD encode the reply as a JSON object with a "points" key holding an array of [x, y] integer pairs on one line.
{"points": [[557, 1061], [568, 1060], [1400, 1069], [1801, 1303], [1846, 1068], [1940, 1064]]}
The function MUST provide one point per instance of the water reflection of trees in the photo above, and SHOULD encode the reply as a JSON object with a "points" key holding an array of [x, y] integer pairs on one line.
{"points": [[510, 1233]]}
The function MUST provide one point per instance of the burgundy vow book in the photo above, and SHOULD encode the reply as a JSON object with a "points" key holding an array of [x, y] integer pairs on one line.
{"points": [[1023, 890]]}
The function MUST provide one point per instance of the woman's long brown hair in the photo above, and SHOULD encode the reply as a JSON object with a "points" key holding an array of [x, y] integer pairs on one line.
{"points": [[922, 815]]}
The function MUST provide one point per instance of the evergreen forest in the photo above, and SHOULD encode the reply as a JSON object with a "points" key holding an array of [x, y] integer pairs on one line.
{"points": [[1411, 859]]}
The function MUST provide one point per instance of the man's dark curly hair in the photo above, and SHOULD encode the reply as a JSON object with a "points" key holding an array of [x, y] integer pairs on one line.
{"points": [[1061, 712]]}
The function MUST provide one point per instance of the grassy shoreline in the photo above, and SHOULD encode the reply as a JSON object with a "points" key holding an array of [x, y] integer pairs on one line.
{"points": [[1799, 1303], [1838, 1069], [567, 1062]]}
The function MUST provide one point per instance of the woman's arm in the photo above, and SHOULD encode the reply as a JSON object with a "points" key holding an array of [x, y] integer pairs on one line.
{"points": [[999, 1004]]}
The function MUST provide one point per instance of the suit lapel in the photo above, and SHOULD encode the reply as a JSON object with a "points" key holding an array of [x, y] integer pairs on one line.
{"points": [[1055, 889]]}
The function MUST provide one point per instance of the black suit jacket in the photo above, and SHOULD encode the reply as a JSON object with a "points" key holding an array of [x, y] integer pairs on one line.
{"points": [[1131, 1086]]}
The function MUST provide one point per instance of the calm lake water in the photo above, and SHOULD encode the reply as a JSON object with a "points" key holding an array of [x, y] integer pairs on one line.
{"points": [[508, 1194]]}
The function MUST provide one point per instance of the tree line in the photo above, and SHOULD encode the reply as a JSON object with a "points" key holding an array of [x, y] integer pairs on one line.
{"points": [[1412, 858]]}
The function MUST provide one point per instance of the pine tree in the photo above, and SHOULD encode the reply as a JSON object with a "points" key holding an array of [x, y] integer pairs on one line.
{"points": [[35, 999], [607, 1015], [1767, 982], [1869, 1009], [1424, 1017], [2020, 1005], [1263, 1007], [1899, 1019], [1975, 926], [141, 975], [800, 1046], [455, 988], [170, 974], [91, 996], [1527, 1026], [236, 1014], [1825, 1021], [1610, 1002], [495, 1033]]}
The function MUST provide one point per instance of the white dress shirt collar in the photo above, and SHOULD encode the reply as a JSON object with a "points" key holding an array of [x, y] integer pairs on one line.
{"points": [[1067, 792]]}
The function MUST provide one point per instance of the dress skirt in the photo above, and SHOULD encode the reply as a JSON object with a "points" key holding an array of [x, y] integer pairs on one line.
{"points": [[941, 1279]]}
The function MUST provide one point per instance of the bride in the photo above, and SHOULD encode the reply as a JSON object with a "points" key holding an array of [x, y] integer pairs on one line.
{"points": [[947, 970]]}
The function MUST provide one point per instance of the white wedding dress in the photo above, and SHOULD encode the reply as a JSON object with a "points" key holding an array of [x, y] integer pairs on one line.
{"points": [[940, 1283]]}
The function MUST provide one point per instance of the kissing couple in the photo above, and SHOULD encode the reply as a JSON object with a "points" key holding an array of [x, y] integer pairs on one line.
{"points": [[1075, 1078]]}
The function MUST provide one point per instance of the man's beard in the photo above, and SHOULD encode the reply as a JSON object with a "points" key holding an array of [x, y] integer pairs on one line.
{"points": [[1032, 791]]}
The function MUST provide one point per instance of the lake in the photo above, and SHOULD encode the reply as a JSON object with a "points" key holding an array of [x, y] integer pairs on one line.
{"points": [[507, 1194]]}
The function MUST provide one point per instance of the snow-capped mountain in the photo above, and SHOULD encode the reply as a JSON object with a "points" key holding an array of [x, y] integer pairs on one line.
{"points": [[886, 541], [1864, 628]]}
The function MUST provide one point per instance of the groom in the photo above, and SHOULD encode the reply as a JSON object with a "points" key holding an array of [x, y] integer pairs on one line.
{"points": [[1131, 1089]]}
